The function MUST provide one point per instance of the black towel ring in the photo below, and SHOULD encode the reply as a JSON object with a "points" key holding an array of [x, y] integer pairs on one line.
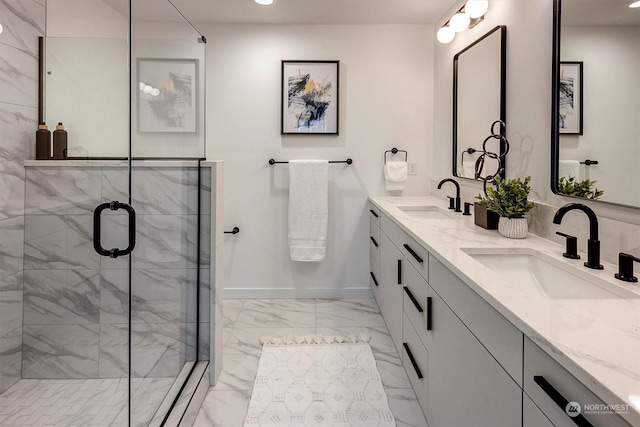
{"points": [[394, 150]]}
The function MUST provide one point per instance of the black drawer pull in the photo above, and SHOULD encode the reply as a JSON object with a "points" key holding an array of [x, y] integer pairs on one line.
{"points": [[373, 213], [559, 400], [413, 299], [413, 361], [429, 313], [399, 272], [375, 282], [374, 241], [413, 253]]}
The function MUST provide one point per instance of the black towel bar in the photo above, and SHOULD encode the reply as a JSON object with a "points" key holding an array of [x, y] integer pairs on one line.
{"points": [[348, 161]]}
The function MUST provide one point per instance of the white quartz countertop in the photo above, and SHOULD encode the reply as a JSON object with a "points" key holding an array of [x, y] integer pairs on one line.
{"points": [[598, 341]]}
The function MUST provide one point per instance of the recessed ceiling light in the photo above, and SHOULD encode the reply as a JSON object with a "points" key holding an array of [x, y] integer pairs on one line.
{"points": [[635, 4], [264, 2]]}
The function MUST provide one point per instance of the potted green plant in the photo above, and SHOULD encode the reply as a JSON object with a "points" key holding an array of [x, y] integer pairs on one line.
{"points": [[585, 188], [510, 200]]}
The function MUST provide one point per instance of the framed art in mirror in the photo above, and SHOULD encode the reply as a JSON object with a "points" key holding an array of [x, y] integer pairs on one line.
{"points": [[570, 98]]}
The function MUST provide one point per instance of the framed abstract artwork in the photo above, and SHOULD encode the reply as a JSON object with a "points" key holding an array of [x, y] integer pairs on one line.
{"points": [[570, 98], [309, 103], [167, 95]]}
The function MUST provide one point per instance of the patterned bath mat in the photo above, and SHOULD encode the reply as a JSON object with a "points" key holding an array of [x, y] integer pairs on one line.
{"points": [[318, 381]]}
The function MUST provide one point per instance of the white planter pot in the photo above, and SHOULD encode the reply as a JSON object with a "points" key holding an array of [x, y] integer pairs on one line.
{"points": [[513, 228]]}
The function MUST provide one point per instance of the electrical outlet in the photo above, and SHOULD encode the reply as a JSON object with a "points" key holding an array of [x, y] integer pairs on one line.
{"points": [[412, 168]]}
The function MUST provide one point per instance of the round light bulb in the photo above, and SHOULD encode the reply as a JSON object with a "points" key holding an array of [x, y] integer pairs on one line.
{"points": [[459, 22], [264, 2], [476, 8], [633, 5], [445, 35], [147, 89]]}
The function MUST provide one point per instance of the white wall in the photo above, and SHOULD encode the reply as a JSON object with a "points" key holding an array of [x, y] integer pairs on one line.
{"points": [[529, 44], [386, 83]]}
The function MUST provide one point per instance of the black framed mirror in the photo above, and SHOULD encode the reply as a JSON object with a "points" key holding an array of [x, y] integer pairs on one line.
{"points": [[595, 122], [479, 100]]}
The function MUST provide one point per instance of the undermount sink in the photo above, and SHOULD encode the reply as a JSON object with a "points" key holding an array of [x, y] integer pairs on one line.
{"points": [[533, 271], [427, 212]]}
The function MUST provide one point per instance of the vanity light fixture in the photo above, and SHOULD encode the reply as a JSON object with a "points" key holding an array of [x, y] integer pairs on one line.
{"points": [[264, 2], [459, 22], [466, 17], [445, 34]]}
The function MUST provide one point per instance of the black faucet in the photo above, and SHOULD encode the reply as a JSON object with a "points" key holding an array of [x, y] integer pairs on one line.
{"points": [[457, 202], [593, 244]]}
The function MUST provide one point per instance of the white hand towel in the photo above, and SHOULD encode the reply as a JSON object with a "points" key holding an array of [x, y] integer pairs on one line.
{"points": [[569, 168], [468, 169], [395, 174], [308, 209]]}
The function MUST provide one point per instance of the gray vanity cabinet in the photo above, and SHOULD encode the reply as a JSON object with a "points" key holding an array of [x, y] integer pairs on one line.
{"points": [[539, 365], [466, 385], [389, 293]]}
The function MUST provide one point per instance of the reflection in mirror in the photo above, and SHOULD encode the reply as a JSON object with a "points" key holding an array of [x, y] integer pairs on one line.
{"points": [[91, 56], [596, 117], [478, 101]]}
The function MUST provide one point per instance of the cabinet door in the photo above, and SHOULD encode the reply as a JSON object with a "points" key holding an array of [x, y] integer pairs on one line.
{"points": [[532, 416], [390, 289], [466, 386]]}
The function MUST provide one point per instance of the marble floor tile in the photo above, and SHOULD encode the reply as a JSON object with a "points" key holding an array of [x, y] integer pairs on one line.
{"points": [[391, 371], [405, 408], [380, 339], [223, 409], [238, 372], [279, 313], [348, 312], [247, 340]]}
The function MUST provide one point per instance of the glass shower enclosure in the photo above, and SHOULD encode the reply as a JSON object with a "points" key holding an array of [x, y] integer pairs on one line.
{"points": [[116, 232]]}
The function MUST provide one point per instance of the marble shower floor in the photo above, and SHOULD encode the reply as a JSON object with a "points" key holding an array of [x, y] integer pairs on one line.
{"points": [[247, 320], [81, 402]]}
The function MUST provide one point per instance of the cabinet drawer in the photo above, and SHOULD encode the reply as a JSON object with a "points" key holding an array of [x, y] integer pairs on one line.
{"points": [[497, 334], [374, 213], [538, 365], [412, 251], [374, 230], [418, 367], [374, 276], [374, 241], [416, 302]]}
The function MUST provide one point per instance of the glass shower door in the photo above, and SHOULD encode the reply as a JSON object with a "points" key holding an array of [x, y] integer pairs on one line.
{"points": [[168, 265]]}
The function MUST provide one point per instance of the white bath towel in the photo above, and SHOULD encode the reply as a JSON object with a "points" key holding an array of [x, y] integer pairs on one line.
{"points": [[395, 174], [569, 168], [308, 209]]}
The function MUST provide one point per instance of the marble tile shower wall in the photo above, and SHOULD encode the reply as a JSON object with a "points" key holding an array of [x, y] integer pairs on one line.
{"points": [[76, 302], [24, 22]]}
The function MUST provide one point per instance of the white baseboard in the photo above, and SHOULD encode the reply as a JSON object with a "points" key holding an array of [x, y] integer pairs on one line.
{"points": [[266, 293]]}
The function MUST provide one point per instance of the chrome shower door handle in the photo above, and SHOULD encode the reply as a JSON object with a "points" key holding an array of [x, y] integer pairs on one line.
{"points": [[97, 229]]}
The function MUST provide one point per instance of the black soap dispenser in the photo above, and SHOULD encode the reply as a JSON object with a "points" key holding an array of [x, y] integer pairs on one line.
{"points": [[43, 142], [59, 142]]}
